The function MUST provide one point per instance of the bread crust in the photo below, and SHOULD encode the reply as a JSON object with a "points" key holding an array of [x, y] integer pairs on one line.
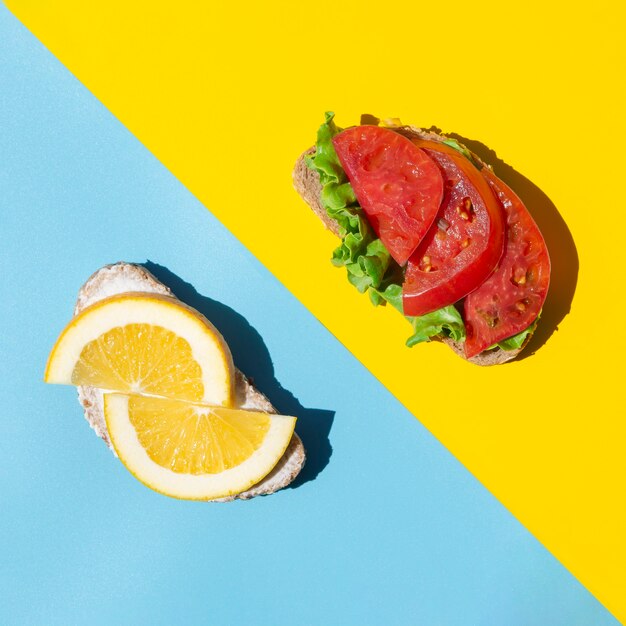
{"points": [[125, 277], [307, 183]]}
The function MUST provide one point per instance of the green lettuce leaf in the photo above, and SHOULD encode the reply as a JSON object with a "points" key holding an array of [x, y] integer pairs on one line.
{"points": [[453, 143], [391, 293], [517, 341], [361, 252], [446, 321]]}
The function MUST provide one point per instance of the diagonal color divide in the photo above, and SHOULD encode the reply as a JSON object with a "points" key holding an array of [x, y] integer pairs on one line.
{"points": [[227, 99]]}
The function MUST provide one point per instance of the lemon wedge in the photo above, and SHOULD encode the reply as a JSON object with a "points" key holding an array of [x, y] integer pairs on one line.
{"points": [[145, 344], [192, 451]]}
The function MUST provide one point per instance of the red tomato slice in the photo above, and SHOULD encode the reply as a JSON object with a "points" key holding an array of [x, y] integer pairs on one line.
{"points": [[399, 187], [511, 298], [464, 245]]}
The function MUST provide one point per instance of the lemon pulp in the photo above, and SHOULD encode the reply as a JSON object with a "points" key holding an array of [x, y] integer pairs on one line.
{"points": [[140, 358], [194, 439]]}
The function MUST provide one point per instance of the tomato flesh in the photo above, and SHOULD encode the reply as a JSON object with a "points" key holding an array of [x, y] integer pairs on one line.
{"points": [[511, 298], [397, 184], [464, 245]]}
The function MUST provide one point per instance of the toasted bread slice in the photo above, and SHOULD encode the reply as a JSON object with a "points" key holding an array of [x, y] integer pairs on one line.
{"points": [[307, 184], [124, 277]]}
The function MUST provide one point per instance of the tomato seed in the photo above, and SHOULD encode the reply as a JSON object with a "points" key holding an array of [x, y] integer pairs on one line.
{"points": [[466, 210], [491, 317], [519, 276]]}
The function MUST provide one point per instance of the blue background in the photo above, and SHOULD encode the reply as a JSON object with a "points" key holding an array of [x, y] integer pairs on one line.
{"points": [[383, 527]]}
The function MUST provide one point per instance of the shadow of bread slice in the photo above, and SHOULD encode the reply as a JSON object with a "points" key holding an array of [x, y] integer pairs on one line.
{"points": [[307, 184], [125, 277]]}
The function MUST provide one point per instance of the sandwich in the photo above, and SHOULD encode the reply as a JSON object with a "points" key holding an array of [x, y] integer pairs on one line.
{"points": [[428, 228], [236, 404]]}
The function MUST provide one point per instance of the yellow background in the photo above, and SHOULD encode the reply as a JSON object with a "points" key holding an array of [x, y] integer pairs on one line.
{"points": [[227, 97]]}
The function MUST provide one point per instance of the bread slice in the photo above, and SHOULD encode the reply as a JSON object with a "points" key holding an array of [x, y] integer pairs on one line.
{"points": [[126, 277], [307, 184]]}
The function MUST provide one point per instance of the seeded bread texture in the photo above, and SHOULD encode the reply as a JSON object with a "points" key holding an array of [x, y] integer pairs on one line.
{"points": [[128, 277], [307, 184]]}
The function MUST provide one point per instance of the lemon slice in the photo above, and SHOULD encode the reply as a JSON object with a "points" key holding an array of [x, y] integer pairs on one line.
{"points": [[147, 344], [191, 451]]}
